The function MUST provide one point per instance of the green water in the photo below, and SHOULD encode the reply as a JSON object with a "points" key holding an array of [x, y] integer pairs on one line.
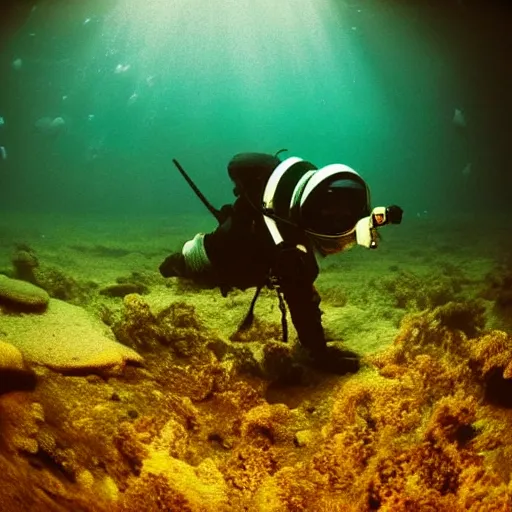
{"points": [[369, 84]]}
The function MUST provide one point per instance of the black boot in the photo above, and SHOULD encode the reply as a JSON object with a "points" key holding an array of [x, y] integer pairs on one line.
{"points": [[335, 360]]}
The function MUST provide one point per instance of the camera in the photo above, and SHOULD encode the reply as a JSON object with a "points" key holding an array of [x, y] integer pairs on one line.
{"points": [[382, 215], [394, 214]]}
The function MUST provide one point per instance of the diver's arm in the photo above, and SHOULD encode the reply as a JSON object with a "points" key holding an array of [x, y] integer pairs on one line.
{"points": [[194, 262], [219, 257], [191, 263]]}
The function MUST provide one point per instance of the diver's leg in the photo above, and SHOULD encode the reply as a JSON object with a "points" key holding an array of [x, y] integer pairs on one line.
{"points": [[304, 305]]}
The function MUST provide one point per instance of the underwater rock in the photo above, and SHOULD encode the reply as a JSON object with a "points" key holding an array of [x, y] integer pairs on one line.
{"points": [[259, 330], [304, 438], [22, 419], [181, 329], [66, 338], [468, 317], [53, 280], [123, 289], [63, 287], [279, 364], [266, 425], [138, 327], [24, 261], [444, 330], [491, 358], [498, 288], [246, 361], [451, 420], [10, 357], [176, 326], [175, 485], [491, 352], [21, 295], [13, 374], [334, 295]]}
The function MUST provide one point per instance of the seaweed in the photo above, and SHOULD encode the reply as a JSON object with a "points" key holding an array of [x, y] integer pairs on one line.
{"points": [[413, 292]]}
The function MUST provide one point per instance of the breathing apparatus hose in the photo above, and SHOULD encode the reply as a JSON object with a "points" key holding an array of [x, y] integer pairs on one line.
{"points": [[216, 213]]}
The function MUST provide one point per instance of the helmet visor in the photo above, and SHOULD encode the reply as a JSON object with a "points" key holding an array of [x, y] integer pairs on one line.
{"points": [[334, 208], [332, 244]]}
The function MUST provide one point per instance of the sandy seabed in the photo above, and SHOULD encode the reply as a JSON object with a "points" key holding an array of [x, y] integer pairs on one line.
{"points": [[219, 420]]}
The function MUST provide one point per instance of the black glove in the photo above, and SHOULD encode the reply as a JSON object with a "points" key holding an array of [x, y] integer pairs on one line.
{"points": [[174, 266], [225, 212], [394, 214]]}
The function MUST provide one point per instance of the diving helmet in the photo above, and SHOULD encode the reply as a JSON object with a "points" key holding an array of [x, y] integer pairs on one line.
{"points": [[325, 203]]}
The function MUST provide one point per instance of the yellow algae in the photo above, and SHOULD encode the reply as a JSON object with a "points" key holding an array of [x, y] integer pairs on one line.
{"points": [[37, 411], [493, 351], [304, 437], [267, 423], [10, 357], [201, 486], [109, 489], [172, 439], [85, 479]]}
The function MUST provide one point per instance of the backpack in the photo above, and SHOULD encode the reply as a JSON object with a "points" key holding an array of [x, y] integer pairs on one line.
{"points": [[250, 172]]}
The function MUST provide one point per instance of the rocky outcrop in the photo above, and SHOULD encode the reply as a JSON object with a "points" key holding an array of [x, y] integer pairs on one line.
{"points": [[21, 295], [67, 338]]}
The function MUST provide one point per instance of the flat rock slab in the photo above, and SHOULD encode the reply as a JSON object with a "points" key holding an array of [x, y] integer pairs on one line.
{"points": [[16, 292], [65, 338]]}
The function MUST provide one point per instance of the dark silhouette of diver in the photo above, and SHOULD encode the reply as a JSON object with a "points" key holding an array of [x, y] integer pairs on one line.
{"points": [[284, 212]]}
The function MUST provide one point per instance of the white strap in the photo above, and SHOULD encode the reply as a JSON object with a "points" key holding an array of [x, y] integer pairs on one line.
{"points": [[273, 181]]}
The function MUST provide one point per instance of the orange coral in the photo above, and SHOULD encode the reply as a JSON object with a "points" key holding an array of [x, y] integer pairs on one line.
{"points": [[246, 469], [493, 351], [138, 328], [451, 419], [266, 425], [154, 493], [482, 490], [290, 489], [264, 435], [377, 404], [423, 333]]}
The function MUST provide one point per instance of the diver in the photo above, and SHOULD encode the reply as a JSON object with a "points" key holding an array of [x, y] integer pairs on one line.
{"points": [[285, 212]]}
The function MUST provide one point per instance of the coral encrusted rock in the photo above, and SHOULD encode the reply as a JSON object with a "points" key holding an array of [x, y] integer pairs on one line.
{"points": [[22, 295], [67, 338]]}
